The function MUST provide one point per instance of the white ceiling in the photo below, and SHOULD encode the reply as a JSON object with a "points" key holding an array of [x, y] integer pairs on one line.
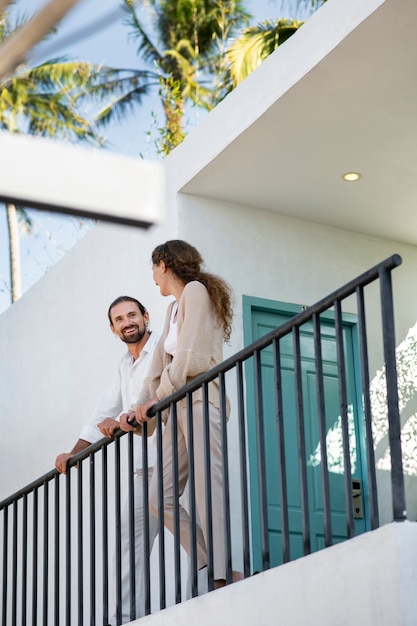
{"points": [[353, 108]]}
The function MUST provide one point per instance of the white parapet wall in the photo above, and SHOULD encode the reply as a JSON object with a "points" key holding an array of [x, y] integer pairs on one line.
{"points": [[52, 175], [368, 581]]}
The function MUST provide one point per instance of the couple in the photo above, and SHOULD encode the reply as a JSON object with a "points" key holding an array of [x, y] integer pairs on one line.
{"points": [[197, 323]]}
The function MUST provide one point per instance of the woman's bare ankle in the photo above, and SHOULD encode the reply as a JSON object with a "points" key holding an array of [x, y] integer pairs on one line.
{"points": [[237, 576], [221, 582]]}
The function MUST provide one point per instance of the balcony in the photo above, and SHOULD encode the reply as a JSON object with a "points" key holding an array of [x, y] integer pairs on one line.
{"points": [[299, 477]]}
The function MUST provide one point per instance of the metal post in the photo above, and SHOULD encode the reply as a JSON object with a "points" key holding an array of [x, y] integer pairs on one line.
{"points": [[394, 422]]}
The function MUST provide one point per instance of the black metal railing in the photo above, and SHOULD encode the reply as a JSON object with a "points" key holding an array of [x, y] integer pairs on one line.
{"points": [[62, 535]]}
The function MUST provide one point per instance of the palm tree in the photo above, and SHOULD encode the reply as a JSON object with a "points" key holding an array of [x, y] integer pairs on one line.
{"points": [[46, 100], [14, 251], [180, 53]]}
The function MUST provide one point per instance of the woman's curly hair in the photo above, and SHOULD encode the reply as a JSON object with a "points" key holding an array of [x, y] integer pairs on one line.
{"points": [[185, 262]]}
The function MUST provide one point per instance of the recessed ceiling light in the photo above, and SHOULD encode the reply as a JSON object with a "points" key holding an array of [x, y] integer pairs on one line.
{"points": [[351, 177]]}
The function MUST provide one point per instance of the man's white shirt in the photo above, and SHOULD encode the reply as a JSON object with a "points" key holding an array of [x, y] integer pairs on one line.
{"points": [[120, 395]]}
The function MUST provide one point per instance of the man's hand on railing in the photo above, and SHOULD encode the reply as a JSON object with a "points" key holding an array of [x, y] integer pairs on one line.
{"points": [[61, 462], [108, 427]]}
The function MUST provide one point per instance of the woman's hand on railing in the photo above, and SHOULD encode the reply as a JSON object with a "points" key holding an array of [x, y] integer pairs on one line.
{"points": [[142, 411], [108, 427], [125, 421]]}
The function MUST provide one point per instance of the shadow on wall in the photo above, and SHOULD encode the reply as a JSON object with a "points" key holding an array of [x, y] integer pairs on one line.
{"points": [[407, 391]]}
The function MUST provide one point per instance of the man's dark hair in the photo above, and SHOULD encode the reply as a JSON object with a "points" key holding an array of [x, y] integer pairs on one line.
{"points": [[125, 299]]}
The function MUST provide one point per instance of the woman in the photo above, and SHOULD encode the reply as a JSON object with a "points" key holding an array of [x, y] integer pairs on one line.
{"points": [[197, 323]]}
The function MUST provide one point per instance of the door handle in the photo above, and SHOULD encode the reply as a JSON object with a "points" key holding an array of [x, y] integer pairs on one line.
{"points": [[357, 499]]}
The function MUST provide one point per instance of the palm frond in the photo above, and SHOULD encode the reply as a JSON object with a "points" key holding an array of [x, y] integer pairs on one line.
{"points": [[25, 221], [55, 117], [110, 83], [256, 43], [121, 106], [61, 71], [9, 25], [146, 49]]}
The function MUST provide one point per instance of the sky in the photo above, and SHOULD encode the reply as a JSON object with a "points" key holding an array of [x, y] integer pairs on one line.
{"points": [[106, 41]]}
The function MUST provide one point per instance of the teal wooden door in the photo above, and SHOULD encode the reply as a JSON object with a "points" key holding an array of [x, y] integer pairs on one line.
{"points": [[259, 320]]}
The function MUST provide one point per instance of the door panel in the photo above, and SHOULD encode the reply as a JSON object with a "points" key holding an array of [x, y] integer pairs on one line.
{"points": [[263, 321]]}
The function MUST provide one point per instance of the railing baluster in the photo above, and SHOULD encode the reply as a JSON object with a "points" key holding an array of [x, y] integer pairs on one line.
{"points": [[45, 553], [370, 452], [302, 455], [5, 564], [68, 549], [35, 558], [394, 422], [343, 405], [161, 517], [208, 495], [243, 469], [24, 558], [80, 552], [105, 533], [321, 413], [176, 512], [146, 542], [57, 561], [191, 486], [260, 439], [14, 563], [131, 524], [282, 471], [118, 539], [92, 537], [226, 485]]}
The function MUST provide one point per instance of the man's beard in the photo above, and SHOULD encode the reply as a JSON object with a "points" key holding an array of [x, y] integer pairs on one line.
{"points": [[134, 337]]}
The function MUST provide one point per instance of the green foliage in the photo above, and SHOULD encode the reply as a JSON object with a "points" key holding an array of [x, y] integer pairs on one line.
{"points": [[42, 100], [181, 55], [125, 89], [189, 59], [256, 43], [172, 134]]}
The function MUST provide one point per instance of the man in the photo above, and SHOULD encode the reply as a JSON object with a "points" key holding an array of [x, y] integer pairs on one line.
{"points": [[128, 320]]}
